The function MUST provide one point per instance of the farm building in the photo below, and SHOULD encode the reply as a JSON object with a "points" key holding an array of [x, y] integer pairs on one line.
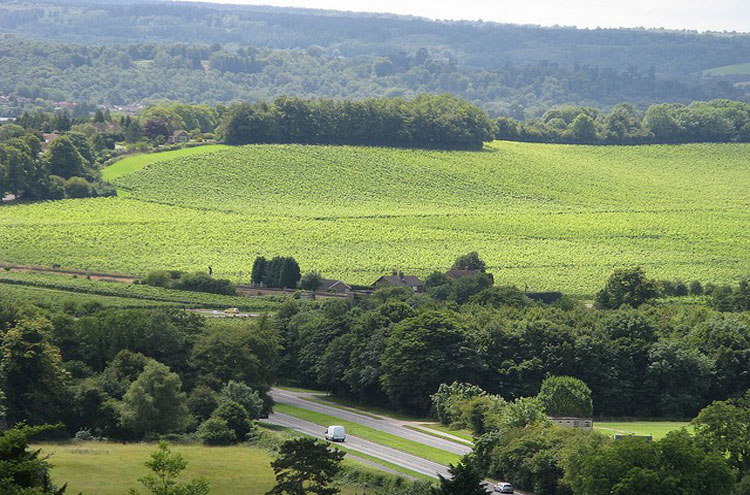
{"points": [[572, 422], [335, 286], [48, 139], [398, 279], [179, 137]]}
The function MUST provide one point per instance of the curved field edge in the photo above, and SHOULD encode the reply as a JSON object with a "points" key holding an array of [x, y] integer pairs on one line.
{"points": [[550, 217], [133, 163]]}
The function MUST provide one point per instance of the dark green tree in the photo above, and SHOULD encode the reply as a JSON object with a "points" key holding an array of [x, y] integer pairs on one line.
{"points": [[311, 281], [64, 160], [627, 286], [724, 428], [421, 353], [258, 275], [464, 479], [566, 396], [470, 261], [305, 466], [154, 402], [32, 374], [23, 471], [236, 417]]}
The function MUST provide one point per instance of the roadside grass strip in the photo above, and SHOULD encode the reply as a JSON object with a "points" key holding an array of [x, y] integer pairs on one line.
{"points": [[375, 460], [460, 433], [373, 435], [439, 434], [370, 411]]}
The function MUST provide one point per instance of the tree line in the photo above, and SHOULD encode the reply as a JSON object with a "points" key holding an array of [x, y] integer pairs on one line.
{"points": [[720, 121], [428, 121]]}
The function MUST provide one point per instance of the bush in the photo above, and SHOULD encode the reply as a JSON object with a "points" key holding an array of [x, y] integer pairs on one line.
{"points": [[78, 187], [202, 282], [202, 402], [566, 396], [236, 418], [216, 431], [244, 396], [158, 278]]}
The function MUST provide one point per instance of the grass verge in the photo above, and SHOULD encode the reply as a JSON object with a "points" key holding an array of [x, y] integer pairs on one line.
{"points": [[330, 400], [371, 434], [428, 430]]}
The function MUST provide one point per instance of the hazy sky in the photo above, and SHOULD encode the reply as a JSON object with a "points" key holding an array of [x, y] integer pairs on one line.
{"points": [[718, 15]]}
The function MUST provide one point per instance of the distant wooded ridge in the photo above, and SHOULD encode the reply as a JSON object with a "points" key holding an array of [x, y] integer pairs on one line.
{"points": [[209, 53]]}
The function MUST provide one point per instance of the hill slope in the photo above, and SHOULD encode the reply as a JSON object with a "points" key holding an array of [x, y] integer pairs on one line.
{"points": [[550, 216]]}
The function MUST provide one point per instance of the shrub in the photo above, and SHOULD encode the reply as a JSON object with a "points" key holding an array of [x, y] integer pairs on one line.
{"points": [[244, 396], [78, 187], [236, 418], [216, 431]]}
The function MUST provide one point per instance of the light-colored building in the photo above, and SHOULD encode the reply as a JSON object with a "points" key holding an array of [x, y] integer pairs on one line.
{"points": [[572, 422]]}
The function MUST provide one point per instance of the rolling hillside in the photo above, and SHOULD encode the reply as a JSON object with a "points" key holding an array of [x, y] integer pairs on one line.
{"points": [[546, 216]]}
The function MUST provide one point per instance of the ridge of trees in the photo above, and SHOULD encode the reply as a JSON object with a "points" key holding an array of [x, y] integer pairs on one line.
{"points": [[721, 121]]}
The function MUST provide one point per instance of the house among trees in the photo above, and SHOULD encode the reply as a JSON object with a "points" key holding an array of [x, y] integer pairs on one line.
{"points": [[572, 422], [335, 286], [398, 279], [48, 139], [179, 137]]}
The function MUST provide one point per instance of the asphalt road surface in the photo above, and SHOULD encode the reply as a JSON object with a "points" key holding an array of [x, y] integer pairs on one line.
{"points": [[414, 463], [387, 425], [382, 423]]}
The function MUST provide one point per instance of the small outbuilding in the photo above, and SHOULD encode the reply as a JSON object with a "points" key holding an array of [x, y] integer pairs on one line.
{"points": [[334, 286], [179, 137], [573, 422]]}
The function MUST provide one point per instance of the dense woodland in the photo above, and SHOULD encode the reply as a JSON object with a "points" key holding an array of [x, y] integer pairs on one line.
{"points": [[73, 51], [473, 355]]}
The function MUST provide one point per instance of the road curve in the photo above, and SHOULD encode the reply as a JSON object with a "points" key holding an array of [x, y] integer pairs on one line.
{"points": [[387, 425], [393, 456]]}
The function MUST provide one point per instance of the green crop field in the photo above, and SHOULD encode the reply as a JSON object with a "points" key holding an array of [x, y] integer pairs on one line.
{"points": [[113, 469], [543, 216], [133, 163], [729, 70], [138, 295]]}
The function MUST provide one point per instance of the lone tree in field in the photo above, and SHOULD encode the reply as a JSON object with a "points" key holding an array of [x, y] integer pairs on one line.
{"points": [[165, 468], [566, 396], [627, 286], [306, 466]]}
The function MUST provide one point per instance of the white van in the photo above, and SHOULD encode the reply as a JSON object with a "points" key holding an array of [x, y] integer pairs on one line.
{"points": [[336, 434]]}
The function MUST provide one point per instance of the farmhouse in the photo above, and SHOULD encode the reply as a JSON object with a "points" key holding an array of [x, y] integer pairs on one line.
{"points": [[572, 422], [179, 137], [335, 286], [48, 139], [398, 279]]}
